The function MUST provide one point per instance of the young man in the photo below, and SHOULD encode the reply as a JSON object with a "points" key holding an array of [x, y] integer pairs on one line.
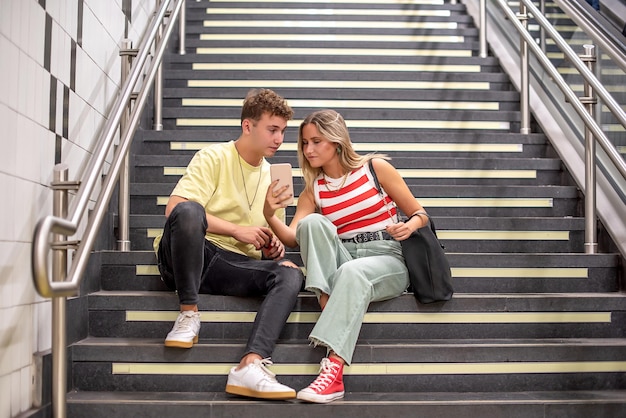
{"points": [[216, 241]]}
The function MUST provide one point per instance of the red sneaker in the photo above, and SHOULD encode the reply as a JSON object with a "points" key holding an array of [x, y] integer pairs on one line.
{"points": [[329, 384]]}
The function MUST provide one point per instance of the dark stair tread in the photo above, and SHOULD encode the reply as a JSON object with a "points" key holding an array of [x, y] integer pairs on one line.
{"points": [[369, 135], [461, 302], [456, 259]]}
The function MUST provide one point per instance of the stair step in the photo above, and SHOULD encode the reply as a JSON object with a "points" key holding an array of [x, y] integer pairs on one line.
{"points": [[496, 273], [572, 404], [150, 314], [524, 362]]}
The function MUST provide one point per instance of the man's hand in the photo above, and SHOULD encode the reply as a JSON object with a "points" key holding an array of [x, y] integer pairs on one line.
{"points": [[259, 236], [275, 250]]}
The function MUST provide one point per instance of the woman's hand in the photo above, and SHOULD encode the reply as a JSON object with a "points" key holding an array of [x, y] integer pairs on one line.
{"points": [[403, 230], [275, 199], [399, 231]]}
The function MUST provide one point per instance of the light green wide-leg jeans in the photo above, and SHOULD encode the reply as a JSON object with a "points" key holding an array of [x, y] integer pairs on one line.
{"points": [[352, 274]]}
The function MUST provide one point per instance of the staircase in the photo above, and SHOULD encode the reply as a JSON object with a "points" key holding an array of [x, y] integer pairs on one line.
{"points": [[536, 328]]}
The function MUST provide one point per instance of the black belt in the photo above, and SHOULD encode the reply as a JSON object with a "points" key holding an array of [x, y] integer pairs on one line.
{"points": [[369, 236]]}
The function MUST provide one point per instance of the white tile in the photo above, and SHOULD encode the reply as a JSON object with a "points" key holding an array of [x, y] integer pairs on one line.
{"points": [[9, 70], [22, 81], [27, 139], [64, 59], [24, 27], [26, 388], [53, 7], [71, 24], [24, 217], [47, 151], [8, 140], [77, 115], [42, 96], [16, 15], [7, 188], [93, 38], [16, 396], [55, 46], [16, 337], [5, 393], [26, 99], [7, 265], [37, 33], [62, 14], [20, 286], [6, 21], [43, 326], [73, 156]]}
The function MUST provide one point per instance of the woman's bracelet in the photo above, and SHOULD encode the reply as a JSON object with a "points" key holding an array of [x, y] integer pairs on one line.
{"points": [[420, 213]]}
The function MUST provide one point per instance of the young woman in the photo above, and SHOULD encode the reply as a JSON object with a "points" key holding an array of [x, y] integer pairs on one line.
{"points": [[348, 236]]}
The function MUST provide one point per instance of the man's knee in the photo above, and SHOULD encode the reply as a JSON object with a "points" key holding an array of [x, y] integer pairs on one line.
{"points": [[291, 278], [187, 210]]}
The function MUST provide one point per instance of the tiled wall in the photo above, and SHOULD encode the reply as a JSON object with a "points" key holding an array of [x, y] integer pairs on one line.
{"points": [[59, 74]]}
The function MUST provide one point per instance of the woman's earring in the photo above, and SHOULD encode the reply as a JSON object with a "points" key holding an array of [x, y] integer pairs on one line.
{"points": [[338, 150]]}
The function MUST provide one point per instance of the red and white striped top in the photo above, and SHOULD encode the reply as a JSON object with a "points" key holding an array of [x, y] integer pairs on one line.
{"points": [[357, 206]]}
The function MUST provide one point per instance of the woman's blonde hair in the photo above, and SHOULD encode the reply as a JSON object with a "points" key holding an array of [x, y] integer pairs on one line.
{"points": [[332, 127]]}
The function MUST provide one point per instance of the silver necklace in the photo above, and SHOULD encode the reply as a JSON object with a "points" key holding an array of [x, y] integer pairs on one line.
{"points": [[245, 187]]}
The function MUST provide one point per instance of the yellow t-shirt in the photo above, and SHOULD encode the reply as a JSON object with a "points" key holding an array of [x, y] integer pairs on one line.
{"points": [[215, 179]]}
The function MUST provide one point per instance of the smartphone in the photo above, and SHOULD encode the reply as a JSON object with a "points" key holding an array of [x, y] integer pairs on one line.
{"points": [[282, 172]]}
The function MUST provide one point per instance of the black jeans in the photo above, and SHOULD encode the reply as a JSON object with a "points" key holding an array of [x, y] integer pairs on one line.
{"points": [[191, 264]]}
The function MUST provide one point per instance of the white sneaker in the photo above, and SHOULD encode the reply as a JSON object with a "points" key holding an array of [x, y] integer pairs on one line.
{"points": [[185, 331], [256, 381]]}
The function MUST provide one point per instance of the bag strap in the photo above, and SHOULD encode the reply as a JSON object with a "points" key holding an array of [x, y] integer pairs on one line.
{"points": [[380, 191]]}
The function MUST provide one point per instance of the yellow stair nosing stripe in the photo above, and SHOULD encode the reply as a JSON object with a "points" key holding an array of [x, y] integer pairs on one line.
{"points": [[293, 37], [337, 51], [452, 235], [331, 84], [461, 202], [503, 235], [363, 104], [481, 368], [394, 317], [381, 147], [326, 12], [382, 124], [412, 2], [465, 272], [521, 272], [320, 24], [423, 173], [262, 66]]}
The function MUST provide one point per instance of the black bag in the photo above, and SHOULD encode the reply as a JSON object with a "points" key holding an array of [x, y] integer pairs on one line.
{"points": [[429, 269]]}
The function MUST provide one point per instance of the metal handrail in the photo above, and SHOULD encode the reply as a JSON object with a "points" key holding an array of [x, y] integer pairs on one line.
{"points": [[69, 225], [585, 72], [554, 117], [600, 38]]}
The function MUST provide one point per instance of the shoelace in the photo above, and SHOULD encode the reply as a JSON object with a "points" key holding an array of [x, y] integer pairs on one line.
{"points": [[328, 371], [266, 362], [184, 322]]}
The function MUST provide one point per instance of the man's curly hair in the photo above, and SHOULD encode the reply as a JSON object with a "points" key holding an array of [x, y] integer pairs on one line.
{"points": [[260, 101]]}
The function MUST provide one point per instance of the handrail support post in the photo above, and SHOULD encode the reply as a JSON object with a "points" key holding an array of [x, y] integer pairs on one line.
{"points": [[524, 89], [589, 101], [157, 123], [482, 34], [59, 272], [123, 227], [182, 30]]}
